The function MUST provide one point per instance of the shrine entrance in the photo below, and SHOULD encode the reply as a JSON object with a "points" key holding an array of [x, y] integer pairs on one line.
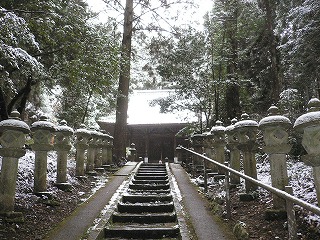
{"points": [[155, 141]]}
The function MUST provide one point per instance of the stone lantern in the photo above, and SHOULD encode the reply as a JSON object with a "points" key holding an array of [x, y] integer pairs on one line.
{"points": [[309, 125], [91, 154], [133, 152], [104, 150], [275, 136], [62, 145], [98, 152], [110, 147], [208, 140], [42, 133], [82, 138], [12, 140], [247, 135], [232, 145], [219, 142], [197, 144]]}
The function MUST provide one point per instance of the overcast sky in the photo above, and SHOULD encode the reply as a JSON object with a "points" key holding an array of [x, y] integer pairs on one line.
{"points": [[186, 18]]}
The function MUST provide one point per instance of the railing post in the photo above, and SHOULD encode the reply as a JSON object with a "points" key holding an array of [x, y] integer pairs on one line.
{"points": [[275, 136], [205, 174], [227, 186], [292, 225]]}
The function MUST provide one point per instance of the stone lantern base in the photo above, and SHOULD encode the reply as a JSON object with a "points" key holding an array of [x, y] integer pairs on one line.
{"points": [[63, 186], [13, 217]]}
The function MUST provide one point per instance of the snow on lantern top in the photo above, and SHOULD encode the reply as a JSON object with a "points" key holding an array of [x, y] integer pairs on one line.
{"points": [[83, 131], [64, 128], [311, 118], [246, 122], [14, 123], [274, 119], [218, 128], [230, 128], [43, 124]]}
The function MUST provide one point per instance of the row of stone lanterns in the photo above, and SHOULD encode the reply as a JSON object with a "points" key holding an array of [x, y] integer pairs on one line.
{"points": [[241, 136], [47, 137]]}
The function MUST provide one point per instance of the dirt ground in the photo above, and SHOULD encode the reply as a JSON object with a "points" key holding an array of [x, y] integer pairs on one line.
{"points": [[253, 215]]}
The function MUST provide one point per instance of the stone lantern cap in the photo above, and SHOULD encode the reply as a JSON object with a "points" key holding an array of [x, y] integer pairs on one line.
{"points": [[197, 136], [311, 118], [218, 128], [14, 123], [132, 147], [274, 119], [230, 128], [43, 124], [197, 139], [63, 128], [82, 131], [245, 122]]}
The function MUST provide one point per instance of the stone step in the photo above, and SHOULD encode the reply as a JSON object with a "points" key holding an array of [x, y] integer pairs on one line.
{"points": [[150, 182], [145, 207], [152, 171], [147, 198], [149, 186], [148, 192], [155, 231], [151, 174], [152, 165], [150, 177], [143, 218], [142, 232]]}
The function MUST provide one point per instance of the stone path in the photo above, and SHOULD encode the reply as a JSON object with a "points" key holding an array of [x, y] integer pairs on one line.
{"points": [[75, 226]]}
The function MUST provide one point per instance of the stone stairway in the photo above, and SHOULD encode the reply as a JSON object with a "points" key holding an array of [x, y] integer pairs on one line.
{"points": [[146, 209]]}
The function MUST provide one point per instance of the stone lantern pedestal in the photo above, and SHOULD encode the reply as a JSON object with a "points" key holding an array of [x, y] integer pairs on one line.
{"points": [[62, 145], [309, 125], [98, 153], [110, 148], [232, 145], [104, 151], [42, 132], [82, 137], [247, 135], [91, 153], [275, 136], [197, 144], [208, 150], [219, 143], [12, 139]]}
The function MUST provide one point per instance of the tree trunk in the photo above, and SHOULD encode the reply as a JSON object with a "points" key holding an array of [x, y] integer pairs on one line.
{"points": [[274, 71], [120, 131], [3, 106]]}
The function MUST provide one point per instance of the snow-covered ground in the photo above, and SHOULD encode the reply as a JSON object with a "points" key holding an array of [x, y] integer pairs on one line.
{"points": [[300, 177]]}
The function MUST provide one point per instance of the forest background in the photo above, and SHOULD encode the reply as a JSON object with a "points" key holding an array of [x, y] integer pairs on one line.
{"points": [[56, 59]]}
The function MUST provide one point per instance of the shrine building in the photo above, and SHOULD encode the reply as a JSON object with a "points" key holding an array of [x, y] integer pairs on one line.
{"points": [[152, 132]]}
